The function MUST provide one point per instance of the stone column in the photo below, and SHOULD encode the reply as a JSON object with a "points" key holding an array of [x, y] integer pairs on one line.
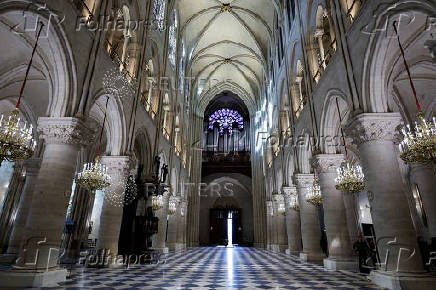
{"points": [[10, 205], [340, 249], [424, 178], [173, 222], [351, 210], [181, 228], [159, 242], [38, 260], [17, 236], [112, 209], [310, 228], [280, 222], [401, 263], [271, 234], [293, 228]]}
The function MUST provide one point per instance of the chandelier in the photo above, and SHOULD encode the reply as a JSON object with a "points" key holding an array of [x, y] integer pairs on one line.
{"points": [[281, 209], [294, 205], [313, 195], [156, 202], [16, 137], [349, 178], [419, 143], [94, 175], [172, 205], [225, 119]]}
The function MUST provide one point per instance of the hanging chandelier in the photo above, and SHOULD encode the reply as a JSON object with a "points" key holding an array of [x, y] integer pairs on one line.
{"points": [[16, 136], [281, 209], [419, 143], [349, 178], [94, 175], [313, 195], [156, 202], [294, 204], [172, 205]]}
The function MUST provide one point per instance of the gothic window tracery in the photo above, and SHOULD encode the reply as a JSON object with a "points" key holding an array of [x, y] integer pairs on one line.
{"points": [[159, 13], [172, 43]]}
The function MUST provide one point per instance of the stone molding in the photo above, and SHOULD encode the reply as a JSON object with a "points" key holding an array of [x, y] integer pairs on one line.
{"points": [[374, 127], [304, 180], [67, 130], [328, 163], [269, 208]]}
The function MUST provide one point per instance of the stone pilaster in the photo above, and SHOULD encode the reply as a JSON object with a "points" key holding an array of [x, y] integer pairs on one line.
{"points": [[10, 204], [293, 227], [335, 218], [173, 223], [112, 209], [310, 228], [402, 266], [181, 227], [280, 222], [271, 233], [17, 236], [45, 223], [159, 242]]}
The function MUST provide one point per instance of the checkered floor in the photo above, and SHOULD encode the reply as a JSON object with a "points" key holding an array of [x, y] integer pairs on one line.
{"points": [[218, 268]]}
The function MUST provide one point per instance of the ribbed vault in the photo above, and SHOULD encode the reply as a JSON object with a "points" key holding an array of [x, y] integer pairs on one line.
{"points": [[227, 41]]}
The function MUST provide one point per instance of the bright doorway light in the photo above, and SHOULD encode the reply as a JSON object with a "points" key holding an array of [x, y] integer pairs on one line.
{"points": [[230, 230]]}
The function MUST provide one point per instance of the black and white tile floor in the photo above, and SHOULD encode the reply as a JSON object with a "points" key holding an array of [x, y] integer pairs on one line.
{"points": [[218, 268]]}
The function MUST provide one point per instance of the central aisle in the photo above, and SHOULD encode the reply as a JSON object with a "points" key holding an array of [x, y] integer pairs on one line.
{"points": [[219, 268]]}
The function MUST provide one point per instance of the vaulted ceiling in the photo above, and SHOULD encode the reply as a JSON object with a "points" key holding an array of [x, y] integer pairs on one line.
{"points": [[227, 41]]}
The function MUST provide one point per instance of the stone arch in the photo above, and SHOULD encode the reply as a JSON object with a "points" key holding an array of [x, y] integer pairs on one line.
{"points": [[143, 151], [54, 59], [382, 54]]}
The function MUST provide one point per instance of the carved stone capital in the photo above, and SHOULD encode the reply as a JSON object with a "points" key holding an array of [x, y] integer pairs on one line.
{"points": [[304, 180], [289, 191], [374, 127], [328, 163], [71, 131], [278, 199], [117, 165]]}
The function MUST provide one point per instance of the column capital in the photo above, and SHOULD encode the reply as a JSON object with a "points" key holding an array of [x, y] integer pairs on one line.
{"points": [[328, 163], [278, 198], [117, 165], [374, 127], [67, 130], [269, 207], [304, 180], [289, 191]]}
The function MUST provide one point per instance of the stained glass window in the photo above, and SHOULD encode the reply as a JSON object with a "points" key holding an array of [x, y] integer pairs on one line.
{"points": [[172, 45], [182, 70], [159, 13], [225, 119]]}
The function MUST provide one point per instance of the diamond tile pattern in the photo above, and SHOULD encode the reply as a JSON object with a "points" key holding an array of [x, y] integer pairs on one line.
{"points": [[218, 268]]}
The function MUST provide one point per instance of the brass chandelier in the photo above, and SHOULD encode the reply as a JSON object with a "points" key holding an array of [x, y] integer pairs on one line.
{"points": [[16, 136], [350, 178], [313, 195], [419, 143], [94, 175], [172, 205], [156, 202]]}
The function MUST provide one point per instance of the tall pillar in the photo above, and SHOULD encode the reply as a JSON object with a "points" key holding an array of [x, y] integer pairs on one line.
{"points": [[159, 242], [10, 206], [17, 236], [424, 178], [340, 248], [280, 222], [293, 228], [37, 264], [271, 234], [173, 223], [351, 210], [181, 228], [310, 228], [401, 263], [112, 209]]}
